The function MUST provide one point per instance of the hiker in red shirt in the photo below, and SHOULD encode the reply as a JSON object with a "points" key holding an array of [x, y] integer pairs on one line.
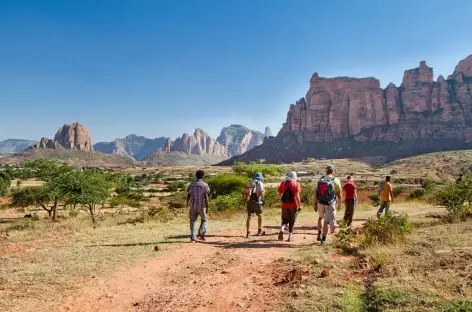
{"points": [[350, 195], [289, 192]]}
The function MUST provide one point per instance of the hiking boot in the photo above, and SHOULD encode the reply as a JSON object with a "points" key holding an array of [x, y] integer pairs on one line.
{"points": [[318, 238], [192, 240], [289, 238], [201, 237], [259, 232], [281, 236], [323, 240]]}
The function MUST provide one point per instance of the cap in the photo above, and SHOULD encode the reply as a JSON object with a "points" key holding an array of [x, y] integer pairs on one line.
{"points": [[291, 176]]}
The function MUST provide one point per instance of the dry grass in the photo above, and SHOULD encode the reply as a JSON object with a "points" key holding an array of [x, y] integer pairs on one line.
{"points": [[431, 271]]}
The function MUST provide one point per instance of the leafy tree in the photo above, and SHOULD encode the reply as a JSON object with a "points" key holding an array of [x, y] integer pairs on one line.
{"points": [[47, 169], [86, 188], [44, 196], [5, 182]]}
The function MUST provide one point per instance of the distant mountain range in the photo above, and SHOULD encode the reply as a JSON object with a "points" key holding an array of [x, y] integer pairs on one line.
{"points": [[11, 146], [196, 148]]}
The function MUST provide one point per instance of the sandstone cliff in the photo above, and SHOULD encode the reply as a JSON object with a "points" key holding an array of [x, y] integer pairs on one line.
{"points": [[346, 117], [200, 143], [74, 136], [132, 146], [238, 139]]}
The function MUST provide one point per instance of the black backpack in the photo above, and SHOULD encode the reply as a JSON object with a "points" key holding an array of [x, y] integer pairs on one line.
{"points": [[287, 195]]}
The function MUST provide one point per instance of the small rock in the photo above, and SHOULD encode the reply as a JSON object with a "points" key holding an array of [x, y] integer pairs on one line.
{"points": [[157, 248], [110, 295], [240, 305], [224, 272], [135, 304], [325, 272], [316, 261]]}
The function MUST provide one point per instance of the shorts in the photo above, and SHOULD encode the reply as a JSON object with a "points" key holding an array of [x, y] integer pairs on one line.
{"points": [[254, 208], [327, 212]]}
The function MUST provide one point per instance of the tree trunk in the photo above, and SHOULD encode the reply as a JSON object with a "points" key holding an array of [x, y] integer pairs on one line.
{"points": [[48, 210], [54, 210], [92, 214]]}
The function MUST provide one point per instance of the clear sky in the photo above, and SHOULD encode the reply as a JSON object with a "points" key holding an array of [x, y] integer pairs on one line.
{"points": [[161, 68]]}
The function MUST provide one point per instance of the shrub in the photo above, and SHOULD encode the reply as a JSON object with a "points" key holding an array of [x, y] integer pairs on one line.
{"points": [[387, 229], [226, 202], [271, 198], [5, 182], [251, 169], [123, 200], [307, 194], [398, 190], [225, 184], [176, 186], [378, 300], [375, 198], [427, 188], [456, 197], [378, 260]]}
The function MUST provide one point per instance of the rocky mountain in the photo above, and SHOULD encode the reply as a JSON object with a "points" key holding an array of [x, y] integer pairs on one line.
{"points": [[73, 136], [352, 117], [198, 148], [11, 146], [238, 139], [132, 146]]}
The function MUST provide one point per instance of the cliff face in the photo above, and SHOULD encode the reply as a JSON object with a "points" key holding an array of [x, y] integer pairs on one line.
{"points": [[73, 136], [357, 110], [200, 143], [239, 139]]}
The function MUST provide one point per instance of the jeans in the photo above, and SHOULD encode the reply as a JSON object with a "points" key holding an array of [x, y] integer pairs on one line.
{"points": [[193, 215], [384, 205]]}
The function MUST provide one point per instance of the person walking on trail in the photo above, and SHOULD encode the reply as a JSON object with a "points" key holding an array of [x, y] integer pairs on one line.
{"points": [[197, 203], [327, 195], [254, 196], [386, 197], [350, 199], [289, 192]]}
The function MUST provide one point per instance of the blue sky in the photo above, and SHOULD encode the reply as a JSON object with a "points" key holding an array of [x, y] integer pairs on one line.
{"points": [[161, 68]]}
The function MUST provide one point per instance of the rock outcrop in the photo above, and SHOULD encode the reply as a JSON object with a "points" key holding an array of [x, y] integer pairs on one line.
{"points": [[200, 143], [347, 117], [131, 146], [74, 136], [238, 139]]}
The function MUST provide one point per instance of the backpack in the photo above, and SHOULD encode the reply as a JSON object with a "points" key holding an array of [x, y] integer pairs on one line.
{"points": [[381, 186], [254, 197], [325, 191], [287, 195]]}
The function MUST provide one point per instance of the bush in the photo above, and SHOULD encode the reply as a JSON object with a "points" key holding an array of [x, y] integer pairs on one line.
{"points": [[5, 182], [387, 229], [225, 184], [427, 188], [226, 202], [378, 260], [456, 198], [398, 190], [375, 198], [251, 169], [307, 194], [271, 198], [176, 186], [123, 200]]}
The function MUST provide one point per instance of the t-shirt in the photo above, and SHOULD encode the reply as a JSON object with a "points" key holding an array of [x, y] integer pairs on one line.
{"points": [[385, 194], [337, 183], [294, 187], [350, 189], [258, 186]]}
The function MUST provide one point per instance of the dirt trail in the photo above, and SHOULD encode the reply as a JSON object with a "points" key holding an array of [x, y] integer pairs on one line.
{"points": [[225, 273]]}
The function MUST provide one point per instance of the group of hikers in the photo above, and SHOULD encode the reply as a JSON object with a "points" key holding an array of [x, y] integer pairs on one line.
{"points": [[328, 197]]}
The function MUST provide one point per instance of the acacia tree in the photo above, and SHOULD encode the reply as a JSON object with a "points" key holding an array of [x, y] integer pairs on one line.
{"points": [[87, 188], [50, 194]]}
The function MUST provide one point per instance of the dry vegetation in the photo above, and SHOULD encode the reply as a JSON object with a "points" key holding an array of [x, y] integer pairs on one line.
{"points": [[44, 262]]}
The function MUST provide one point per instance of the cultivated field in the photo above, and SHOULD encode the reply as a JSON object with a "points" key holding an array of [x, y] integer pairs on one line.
{"points": [[138, 258]]}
